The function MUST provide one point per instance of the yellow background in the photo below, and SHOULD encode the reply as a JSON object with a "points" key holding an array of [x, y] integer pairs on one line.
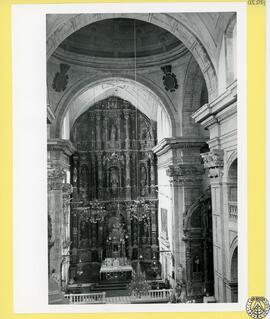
{"points": [[256, 34]]}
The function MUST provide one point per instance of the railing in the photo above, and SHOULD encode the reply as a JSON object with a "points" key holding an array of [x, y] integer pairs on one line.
{"points": [[95, 298], [154, 295], [233, 211], [100, 297]]}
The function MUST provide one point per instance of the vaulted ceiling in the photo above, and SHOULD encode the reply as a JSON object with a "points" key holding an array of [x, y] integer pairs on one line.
{"points": [[121, 38]]}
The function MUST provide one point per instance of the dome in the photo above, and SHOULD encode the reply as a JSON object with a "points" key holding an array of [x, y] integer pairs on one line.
{"points": [[116, 38]]}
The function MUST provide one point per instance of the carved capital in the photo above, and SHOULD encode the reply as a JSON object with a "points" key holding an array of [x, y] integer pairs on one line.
{"points": [[56, 178], [213, 159], [56, 173], [215, 172]]}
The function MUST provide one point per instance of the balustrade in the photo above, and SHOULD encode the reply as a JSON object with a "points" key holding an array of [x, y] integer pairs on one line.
{"points": [[160, 294], [233, 210], [93, 298], [100, 297]]}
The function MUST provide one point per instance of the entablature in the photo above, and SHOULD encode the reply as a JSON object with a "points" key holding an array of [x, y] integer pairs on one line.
{"points": [[224, 106]]}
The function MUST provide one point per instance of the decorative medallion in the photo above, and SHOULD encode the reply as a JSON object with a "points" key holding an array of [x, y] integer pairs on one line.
{"points": [[257, 307], [169, 79], [60, 80]]}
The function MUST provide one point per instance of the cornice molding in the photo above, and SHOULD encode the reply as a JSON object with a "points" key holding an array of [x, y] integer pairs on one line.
{"points": [[119, 63], [172, 143], [214, 112], [58, 144]]}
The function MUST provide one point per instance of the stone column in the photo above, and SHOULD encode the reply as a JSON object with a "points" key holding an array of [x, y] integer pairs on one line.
{"points": [[119, 130], [59, 190], [98, 132], [152, 174], [154, 230], [129, 240], [126, 114], [128, 187], [99, 158], [100, 240], [185, 181], [93, 182], [55, 216], [213, 161], [94, 234], [75, 174], [105, 127], [188, 266], [180, 175]]}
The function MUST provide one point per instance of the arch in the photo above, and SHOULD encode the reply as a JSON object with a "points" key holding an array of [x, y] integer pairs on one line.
{"points": [[230, 50], [234, 265], [165, 21], [83, 86], [232, 157], [233, 249], [227, 56], [198, 204], [232, 171], [199, 244], [233, 245], [232, 181], [193, 87]]}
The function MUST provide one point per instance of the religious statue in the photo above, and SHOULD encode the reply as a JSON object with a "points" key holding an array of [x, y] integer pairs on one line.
{"points": [[74, 175], [143, 180], [83, 234], [113, 134], [114, 181], [196, 264]]}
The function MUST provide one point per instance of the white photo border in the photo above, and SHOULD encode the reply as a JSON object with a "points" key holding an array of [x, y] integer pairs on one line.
{"points": [[30, 156]]}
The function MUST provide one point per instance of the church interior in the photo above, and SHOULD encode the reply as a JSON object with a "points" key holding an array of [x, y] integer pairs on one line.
{"points": [[142, 158]]}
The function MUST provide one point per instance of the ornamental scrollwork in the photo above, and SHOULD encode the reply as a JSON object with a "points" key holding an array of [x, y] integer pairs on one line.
{"points": [[56, 178]]}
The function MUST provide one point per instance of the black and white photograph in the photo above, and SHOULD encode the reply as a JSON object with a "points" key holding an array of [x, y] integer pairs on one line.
{"points": [[142, 158]]}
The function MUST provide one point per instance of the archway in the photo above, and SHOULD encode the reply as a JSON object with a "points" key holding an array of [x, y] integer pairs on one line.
{"points": [[165, 21], [234, 275], [232, 191], [199, 248], [76, 100]]}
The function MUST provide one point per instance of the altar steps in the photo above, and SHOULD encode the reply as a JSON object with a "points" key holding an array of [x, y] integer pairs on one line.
{"points": [[112, 289], [113, 284]]}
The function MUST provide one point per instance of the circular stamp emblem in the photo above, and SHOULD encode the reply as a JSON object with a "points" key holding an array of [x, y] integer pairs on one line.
{"points": [[257, 307]]}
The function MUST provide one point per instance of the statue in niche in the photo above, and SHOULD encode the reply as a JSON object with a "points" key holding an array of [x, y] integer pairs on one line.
{"points": [[146, 228], [196, 264], [83, 192], [83, 234], [143, 180], [145, 232], [134, 233], [114, 180], [113, 134]]}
